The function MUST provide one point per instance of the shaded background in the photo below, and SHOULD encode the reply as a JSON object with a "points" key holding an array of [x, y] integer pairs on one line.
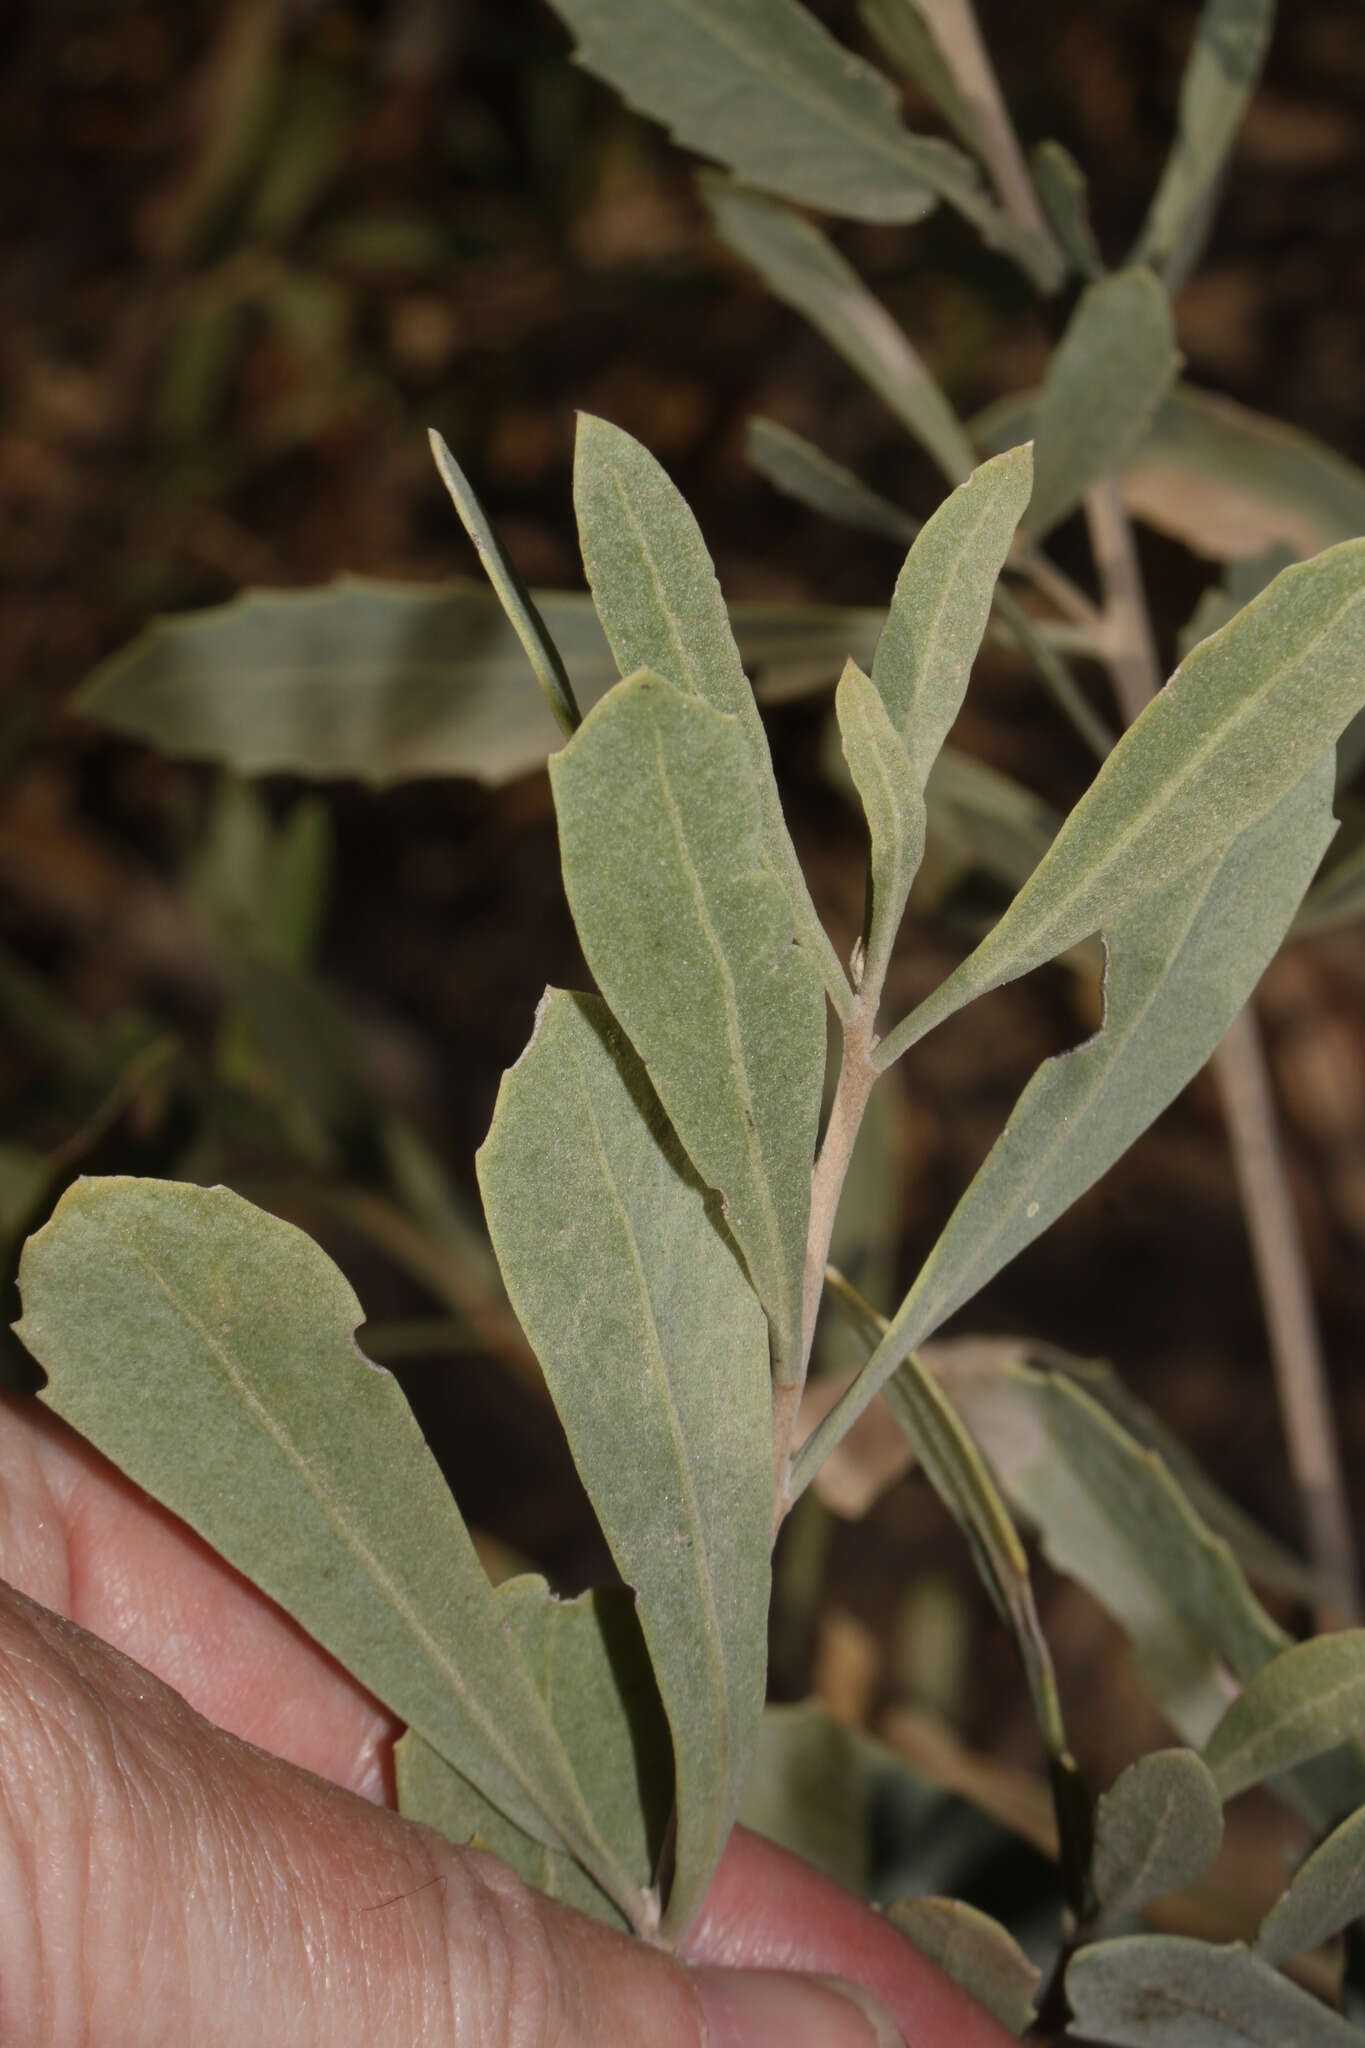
{"points": [[251, 250]]}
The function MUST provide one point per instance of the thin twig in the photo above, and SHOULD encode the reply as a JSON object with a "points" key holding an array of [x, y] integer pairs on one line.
{"points": [[955, 30], [1242, 1078]]}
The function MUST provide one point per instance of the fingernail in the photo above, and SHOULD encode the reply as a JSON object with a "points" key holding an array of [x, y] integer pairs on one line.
{"points": [[780, 2009]]}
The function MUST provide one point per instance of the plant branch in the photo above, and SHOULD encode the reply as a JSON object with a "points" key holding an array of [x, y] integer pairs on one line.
{"points": [[857, 1074], [955, 30], [1241, 1076]]}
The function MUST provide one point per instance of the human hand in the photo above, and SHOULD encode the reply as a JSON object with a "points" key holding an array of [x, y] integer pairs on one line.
{"points": [[204, 1856]]}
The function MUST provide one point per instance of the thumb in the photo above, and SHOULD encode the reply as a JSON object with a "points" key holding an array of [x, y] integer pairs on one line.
{"points": [[162, 1882]]}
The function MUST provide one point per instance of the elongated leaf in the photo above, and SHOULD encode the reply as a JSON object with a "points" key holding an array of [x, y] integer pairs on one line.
{"points": [[208, 1349], [1060, 184], [975, 1951], [802, 267], [1308, 1701], [762, 87], [1182, 964], [515, 599], [1236, 728], [1225, 62], [388, 681], [907, 36], [893, 804], [656, 594], [1113, 367], [1165, 1991], [1224, 479], [655, 1353], [1110, 1516], [795, 466], [802, 471], [1327, 1893], [690, 941], [590, 1665], [1157, 1829], [942, 602]]}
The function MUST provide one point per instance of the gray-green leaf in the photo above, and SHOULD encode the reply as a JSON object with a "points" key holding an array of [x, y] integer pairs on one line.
{"points": [[208, 1349], [656, 594], [1112, 368], [1225, 61], [1224, 479], [802, 471], [1157, 1829], [762, 87], [893, 804], [1241, 722], [389, 681], [975, 1951], [1166, 1991], [942, 602], [691, 943], [1111, 1517], [1310, 1699], [1326, 1894], [1060, 184], [802, 267], [591, 1667], [1181, 966], [655, 1353]]}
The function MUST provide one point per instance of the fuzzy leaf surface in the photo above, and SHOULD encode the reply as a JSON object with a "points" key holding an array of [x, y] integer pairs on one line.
{"points": [[763, 88], [942, 601], [802, 267], [1240, 724], [1166, 1991], [1327, 1893], [906, 34], [796, 467], [1112, 368], [893, 804], [1062, 191], [655, 1353], [1181, 966], [1157, 1829], [591, 1668], [655, 589], [1310, 1699], [690, 940], [1224, 479], [387, 682], [975, 1951], [209, 1350], [1224, 64]]}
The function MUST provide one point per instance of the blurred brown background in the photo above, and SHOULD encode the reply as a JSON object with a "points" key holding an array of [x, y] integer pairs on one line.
{"points": [[252, 248]]}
